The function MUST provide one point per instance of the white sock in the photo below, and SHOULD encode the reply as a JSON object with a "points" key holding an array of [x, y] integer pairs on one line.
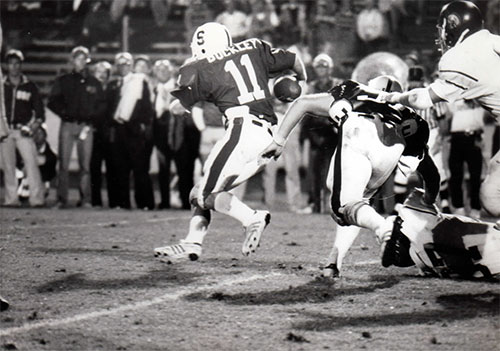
{"points": [[367, 217], [344, 238], [198, 228], [230, 205]]}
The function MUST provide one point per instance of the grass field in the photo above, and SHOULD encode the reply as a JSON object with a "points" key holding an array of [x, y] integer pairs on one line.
{"points": [[87, 280]]}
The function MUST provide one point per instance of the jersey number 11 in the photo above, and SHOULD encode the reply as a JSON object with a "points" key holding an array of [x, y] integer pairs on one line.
{"points": [[245, 95]]}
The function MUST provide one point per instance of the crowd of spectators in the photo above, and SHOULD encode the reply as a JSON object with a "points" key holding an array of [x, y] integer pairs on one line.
{"points": [[117, 113]]}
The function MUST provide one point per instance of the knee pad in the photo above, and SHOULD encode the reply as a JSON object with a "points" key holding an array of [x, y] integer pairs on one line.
{"points": [[347, 214]]}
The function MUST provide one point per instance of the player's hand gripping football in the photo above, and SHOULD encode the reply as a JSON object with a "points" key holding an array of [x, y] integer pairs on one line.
{"points": [[273, 150]]}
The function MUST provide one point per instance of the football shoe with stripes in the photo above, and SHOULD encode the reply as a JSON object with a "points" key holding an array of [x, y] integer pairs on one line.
{"points": [[254, 230], [180, 252]]}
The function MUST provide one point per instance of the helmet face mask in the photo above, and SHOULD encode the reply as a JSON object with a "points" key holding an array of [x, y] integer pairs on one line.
{"points": [[441, 39], [210, 38], [457, 20]]}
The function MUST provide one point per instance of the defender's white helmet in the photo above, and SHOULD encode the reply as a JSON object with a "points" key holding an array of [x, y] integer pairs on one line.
{"points": [[209, 39], [386, 83]]}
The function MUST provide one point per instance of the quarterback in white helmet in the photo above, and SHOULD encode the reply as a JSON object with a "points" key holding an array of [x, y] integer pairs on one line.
{"points": [[234, 77]]}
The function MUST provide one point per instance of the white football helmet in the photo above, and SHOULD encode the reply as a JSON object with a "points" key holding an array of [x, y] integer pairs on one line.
{"points": [[209, 39], [386, 83]]}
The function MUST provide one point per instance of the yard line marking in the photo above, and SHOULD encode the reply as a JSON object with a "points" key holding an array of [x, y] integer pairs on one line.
{"points": [[367, 263], [98, 224], [134, 306]]}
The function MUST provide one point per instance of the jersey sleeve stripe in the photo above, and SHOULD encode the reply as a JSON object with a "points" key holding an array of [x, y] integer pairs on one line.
{"points": [[455, 84], [458, 72]]}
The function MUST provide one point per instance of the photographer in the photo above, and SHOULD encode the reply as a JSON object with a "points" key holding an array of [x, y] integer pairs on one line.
{"points": [[22, 102]]}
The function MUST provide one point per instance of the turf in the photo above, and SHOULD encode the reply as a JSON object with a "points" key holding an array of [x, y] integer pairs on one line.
{"points": [[87, 280]]}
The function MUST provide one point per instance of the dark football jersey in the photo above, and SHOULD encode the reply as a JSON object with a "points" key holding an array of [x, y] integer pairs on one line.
{"points": [[414, 129], [234, 77]]}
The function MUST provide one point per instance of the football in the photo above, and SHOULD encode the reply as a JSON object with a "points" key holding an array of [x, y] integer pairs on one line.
{"points": [[287, 88]]}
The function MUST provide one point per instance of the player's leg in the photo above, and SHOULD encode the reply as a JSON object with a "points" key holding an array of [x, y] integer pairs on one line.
{"points": [[490, 188], [27, 150], [190, 247], [222, 168], [347, 181], [344, 238], [8, 156], [234, 161]]}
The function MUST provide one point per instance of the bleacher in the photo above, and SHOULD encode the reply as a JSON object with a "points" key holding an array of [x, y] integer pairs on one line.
{"points": [[46, 57]]}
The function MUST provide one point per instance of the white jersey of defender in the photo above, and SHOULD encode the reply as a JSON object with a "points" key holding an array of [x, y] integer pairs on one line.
{"points": [[366, 142], [471, 70]]}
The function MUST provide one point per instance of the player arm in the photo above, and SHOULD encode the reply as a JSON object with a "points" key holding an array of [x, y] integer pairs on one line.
{"points": [[430, 175], [299, 68], [197, 114], [187, 93], [419, 98], [315, 104]]}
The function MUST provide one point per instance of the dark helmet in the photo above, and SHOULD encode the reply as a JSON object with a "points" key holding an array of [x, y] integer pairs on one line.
{"points": [[455, 18]]}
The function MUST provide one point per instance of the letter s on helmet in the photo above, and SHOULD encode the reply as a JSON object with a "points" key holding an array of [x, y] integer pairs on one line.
{"points": [[209, 39], [457, 20]]}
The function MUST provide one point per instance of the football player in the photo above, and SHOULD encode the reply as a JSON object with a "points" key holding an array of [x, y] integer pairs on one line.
{"points": [[373, 136], [235, 78], [470, 65], [468, 69], [447, 246]]}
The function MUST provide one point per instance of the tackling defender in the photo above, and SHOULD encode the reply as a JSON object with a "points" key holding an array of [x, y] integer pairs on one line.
{"points": [[235, 78], [372, 138]]}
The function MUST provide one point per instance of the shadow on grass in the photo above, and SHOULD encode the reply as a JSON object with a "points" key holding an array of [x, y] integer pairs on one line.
{"points": [[113, 251], [155, 278], [315, 291], [454, 307]]}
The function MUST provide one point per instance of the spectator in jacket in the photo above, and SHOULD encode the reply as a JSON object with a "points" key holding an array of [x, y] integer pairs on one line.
{"points": [[164, 73], [322, 137], [22, 102], [101, 148], [74, 98], [129, 102]]}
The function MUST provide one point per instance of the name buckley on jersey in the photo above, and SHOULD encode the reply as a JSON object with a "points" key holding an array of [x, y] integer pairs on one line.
{"points": [[234, 49]]}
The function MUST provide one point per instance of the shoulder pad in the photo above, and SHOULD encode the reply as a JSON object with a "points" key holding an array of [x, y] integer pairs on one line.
{"points": [[187, 74]]}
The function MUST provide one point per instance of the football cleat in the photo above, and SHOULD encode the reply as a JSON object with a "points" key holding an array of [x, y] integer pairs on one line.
{"points": [[396, 250], [330, 271], [179, 252], [254, 231], [384, 234]]}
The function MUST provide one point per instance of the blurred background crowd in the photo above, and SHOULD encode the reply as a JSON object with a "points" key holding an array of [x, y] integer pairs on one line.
{"points": [[87, 83]]}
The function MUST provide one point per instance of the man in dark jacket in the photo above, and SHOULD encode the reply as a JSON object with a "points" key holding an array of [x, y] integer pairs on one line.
{"points": [[74, 98], [131, 109], [22, 102], [322, 136]]}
